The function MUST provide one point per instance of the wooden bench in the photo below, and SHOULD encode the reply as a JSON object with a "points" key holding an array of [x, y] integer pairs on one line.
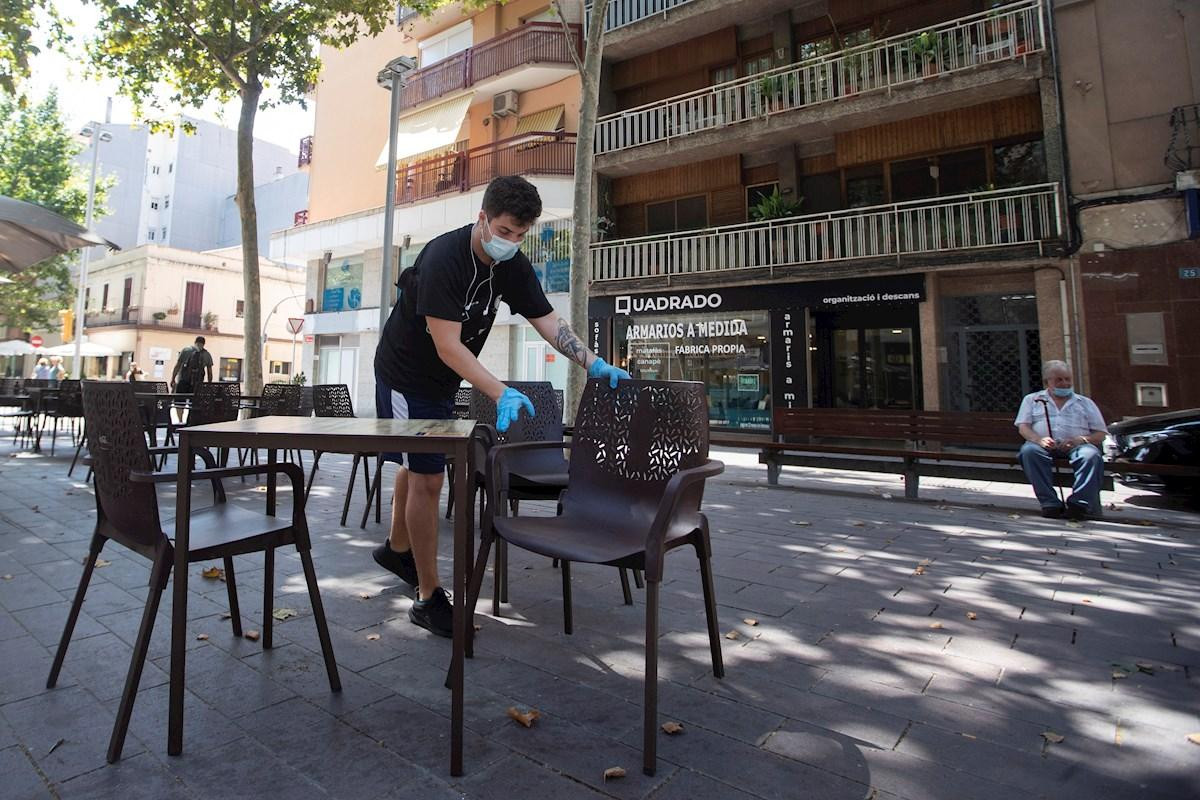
{"points": [[949, 444]]}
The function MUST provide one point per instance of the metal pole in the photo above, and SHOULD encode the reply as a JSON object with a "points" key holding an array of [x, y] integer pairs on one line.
{"points": [[85, 253], [389, 205]]}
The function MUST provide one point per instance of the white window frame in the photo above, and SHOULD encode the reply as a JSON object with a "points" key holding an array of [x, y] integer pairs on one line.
{"points": [[442, 45]]}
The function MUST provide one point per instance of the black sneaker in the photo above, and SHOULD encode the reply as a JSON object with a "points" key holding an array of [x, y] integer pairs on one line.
{"points": [[402, 564], [1051, 512], [435, 615], [1076, 510]]}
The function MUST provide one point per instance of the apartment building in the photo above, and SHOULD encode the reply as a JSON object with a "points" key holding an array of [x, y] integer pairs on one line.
{"points": [[149, 302], [1131, 92], [492, 93], [849, 203]]}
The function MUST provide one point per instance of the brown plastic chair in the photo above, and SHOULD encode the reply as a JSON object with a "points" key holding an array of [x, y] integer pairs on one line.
{"points": [[279, 400], [639, 459], [127, 513], [533, 475], [333, 400]]}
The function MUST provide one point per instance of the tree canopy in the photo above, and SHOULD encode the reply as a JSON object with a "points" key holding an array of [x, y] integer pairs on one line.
{"points": [[18, 19], [36, 165]]}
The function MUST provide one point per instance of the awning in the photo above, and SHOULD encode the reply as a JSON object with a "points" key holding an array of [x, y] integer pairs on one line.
{"points": [[429, 129], [550, 119]]}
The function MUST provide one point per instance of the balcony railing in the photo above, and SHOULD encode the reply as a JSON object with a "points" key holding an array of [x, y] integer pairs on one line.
{"points": [[626, 12], [306, 151], [539, 153], [1002, 34], [533, 42], [1000, 218], [145, 317]]}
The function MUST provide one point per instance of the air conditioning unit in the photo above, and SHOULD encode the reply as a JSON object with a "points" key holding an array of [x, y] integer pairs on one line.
{"points": [[504, 104]]}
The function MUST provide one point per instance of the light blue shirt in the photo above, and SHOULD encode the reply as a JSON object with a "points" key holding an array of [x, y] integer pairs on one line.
{"points": [[1079, 416]]}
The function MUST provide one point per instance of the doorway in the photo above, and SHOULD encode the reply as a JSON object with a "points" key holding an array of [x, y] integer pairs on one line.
{"points": [[193, 304], [993, 351], [337, 362], [858, 363]]}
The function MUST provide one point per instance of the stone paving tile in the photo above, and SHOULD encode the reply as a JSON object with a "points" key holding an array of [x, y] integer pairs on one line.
{"points": [[842, 690], [21, 778]]}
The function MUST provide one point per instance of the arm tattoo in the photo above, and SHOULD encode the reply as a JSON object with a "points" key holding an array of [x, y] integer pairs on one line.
{"points": [[567, 343]]}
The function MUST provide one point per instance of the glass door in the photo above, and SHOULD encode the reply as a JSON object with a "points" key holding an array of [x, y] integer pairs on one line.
{"points": [[535, 361], [860, 367]]}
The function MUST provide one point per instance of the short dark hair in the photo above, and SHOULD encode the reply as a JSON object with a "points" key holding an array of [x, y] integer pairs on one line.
{"points": [[512, 194], [199, 340]]}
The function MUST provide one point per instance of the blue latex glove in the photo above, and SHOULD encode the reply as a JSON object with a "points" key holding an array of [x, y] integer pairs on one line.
{"points": [[602, 369], [509, 408]]}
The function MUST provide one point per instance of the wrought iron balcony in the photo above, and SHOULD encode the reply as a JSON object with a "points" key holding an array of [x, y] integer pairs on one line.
{"points": [[539, 153], [1003, 34], [1027, 215], [626, 12], [531, 43], [306, 151]]}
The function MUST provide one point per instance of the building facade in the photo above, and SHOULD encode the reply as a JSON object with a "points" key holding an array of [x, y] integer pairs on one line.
{"points": [[1131, 78], [149, 302], [491, 93], [853, 203]]}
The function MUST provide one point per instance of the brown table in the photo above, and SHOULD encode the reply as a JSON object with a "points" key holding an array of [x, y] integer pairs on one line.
{"points": [[335, 435]]}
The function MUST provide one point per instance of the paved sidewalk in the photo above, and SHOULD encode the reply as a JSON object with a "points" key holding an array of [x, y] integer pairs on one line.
{"points": [[958, 647]]}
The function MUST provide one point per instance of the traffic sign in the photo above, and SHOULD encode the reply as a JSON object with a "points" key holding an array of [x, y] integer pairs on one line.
{"points": [[36, 341], [295, 324]]}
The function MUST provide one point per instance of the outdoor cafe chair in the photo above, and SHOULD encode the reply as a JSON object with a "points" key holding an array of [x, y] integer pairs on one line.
{"points": [[127, 512], [279, 400], [212, 402], [155, 415], [639, 460], [533, 475], [333, 400]]}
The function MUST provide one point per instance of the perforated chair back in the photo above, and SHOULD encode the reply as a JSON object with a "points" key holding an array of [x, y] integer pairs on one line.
{"points": [[630, 441], [129, 510], [280, 399], [332, 400], [151, 387], [462, 403], [214, 402], [70, 399], [545, 426]]}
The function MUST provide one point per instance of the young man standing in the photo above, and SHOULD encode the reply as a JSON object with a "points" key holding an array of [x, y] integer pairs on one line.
{"points": [[431, 344], [194, 364]]}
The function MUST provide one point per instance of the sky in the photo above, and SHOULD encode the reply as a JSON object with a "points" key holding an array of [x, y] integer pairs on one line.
{"points": [[81, 94]]}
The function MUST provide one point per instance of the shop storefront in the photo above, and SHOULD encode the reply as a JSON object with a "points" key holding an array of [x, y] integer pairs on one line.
{"points": [[850, 343]]}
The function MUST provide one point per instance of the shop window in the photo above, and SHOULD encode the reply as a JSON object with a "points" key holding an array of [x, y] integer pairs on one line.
{"points": [[343, 286], [230, 369], [864, 186], [821, 193], [684, 214], [962, 172], [281, 368], [728, 352], [1019, 164]]}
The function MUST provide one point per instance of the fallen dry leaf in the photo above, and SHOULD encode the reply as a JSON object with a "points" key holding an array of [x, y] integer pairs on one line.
{"points": [[672, 728], [733, 635], [213, 573], [526, 718], [1054, 738], [202, 637], [1085, 600], [1074, 523], [936, 625], [751, 621], [1104, 565], [364, 595], [100, 562], [886, 496], [55, 746], [971, 615], [284, 613], [919, 571], [858, 523], [35, 510], [372, 637], [800, 522], [1014, 516], [251, 635], [6, 577], [478, 627], [1052, 551], [614, 772], [1194, 738], [1120, 674], [1145, 666], [226, 615]]}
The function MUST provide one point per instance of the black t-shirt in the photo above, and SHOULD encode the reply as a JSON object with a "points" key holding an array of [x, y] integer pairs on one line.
{"points": [[448, 281]]}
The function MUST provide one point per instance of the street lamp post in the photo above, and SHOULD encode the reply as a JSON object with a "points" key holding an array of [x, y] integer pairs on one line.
{"points": [[391, 77], [96, 133]]}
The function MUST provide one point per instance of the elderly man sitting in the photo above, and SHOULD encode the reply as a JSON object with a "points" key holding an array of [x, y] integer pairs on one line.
{"points": [[1056, 422]]}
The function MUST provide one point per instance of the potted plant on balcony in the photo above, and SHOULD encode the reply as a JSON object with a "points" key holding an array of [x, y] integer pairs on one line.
{"points": [[923, 50], [776, 206], [210, 321], [159, 316]]}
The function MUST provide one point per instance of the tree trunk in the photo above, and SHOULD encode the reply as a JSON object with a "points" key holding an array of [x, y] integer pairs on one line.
{"points": [[584, 203], [252, 328]]}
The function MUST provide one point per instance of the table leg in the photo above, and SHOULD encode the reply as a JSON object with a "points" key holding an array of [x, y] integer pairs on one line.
{"points": [[183, 514], [462, 510]]}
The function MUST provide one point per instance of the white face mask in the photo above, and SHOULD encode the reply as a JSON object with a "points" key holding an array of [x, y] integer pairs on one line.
{"points": [[497, 249]]}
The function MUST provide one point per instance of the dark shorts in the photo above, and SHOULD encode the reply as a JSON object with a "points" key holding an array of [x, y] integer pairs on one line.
{"points": [[390, 404]]}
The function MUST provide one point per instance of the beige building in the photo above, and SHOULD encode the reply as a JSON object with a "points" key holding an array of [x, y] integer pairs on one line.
{"points": [[492, 93], [149, 302]]}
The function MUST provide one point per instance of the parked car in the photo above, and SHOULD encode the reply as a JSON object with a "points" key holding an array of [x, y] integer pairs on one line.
{"points": [[1170, 438]]}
